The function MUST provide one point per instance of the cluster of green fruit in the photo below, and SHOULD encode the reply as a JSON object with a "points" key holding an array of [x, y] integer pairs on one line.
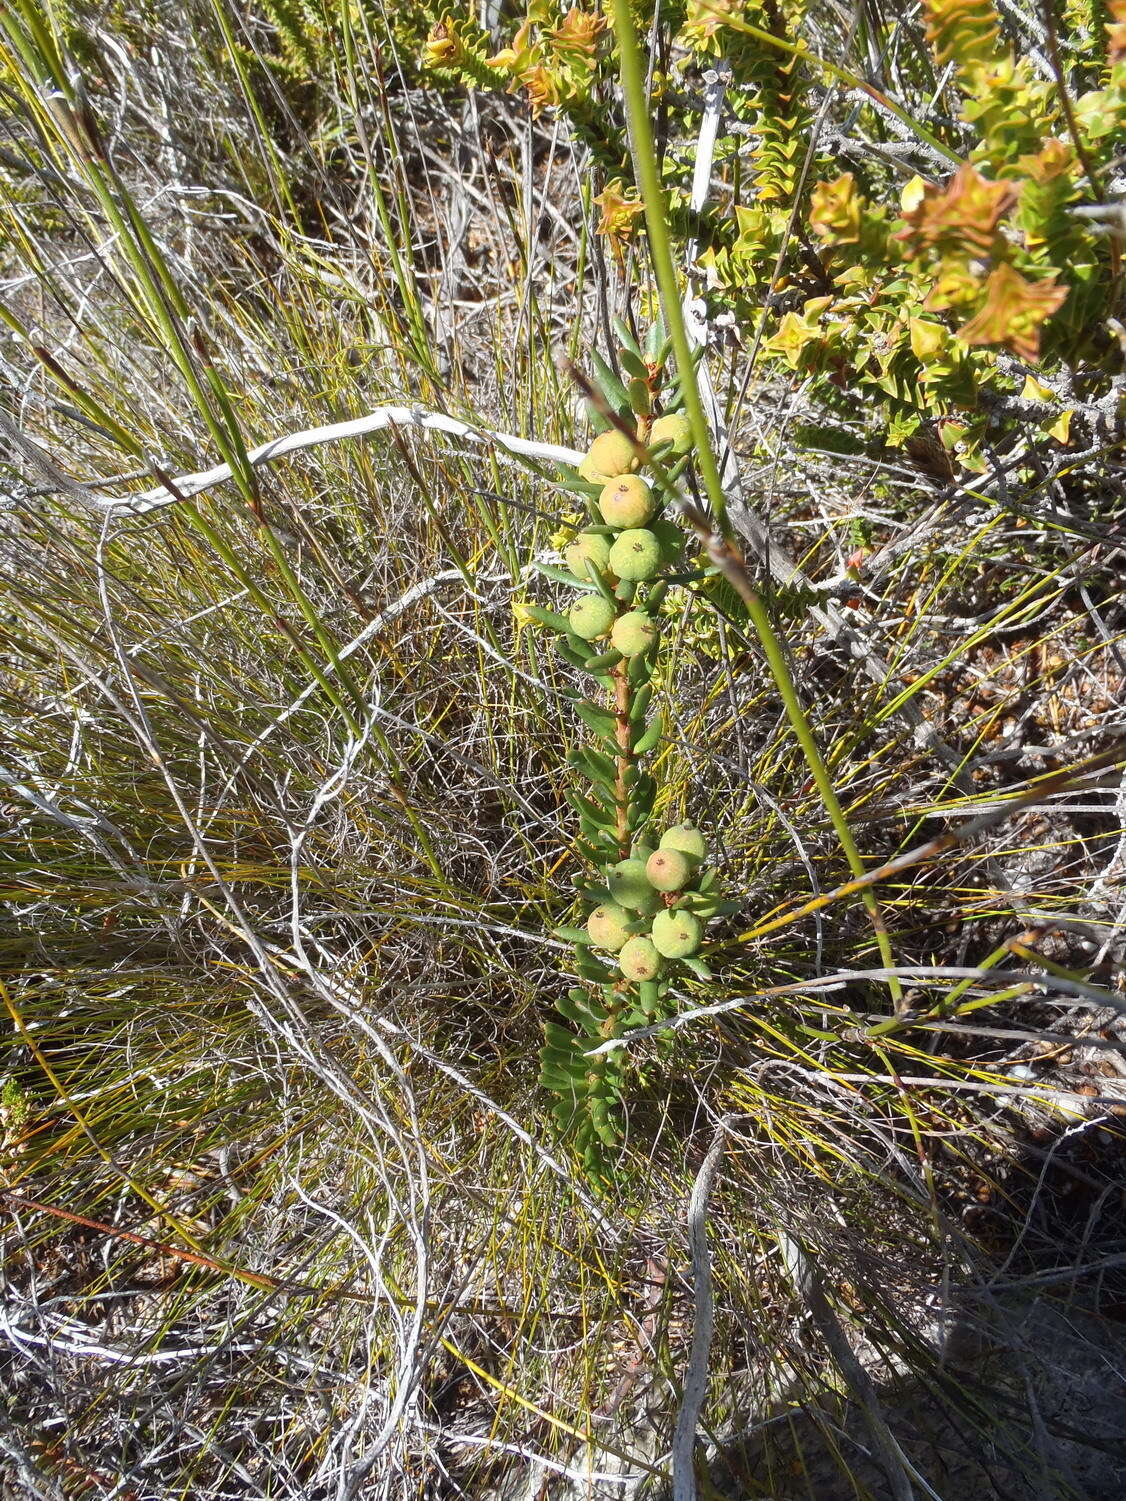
{"points": [[645, 907], [657, 904], [628, 543]]}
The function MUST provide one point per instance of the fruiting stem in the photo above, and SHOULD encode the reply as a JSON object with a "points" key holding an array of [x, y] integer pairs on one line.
{"points": [[622, 704]]}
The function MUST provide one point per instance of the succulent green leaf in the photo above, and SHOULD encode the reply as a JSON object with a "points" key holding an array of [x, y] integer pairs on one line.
{"points": [[563, 576], [649, 995], [580, 1013], [633, 365], [601, 721], [640, 398], [638, 669], [591, 968], [651, 737], [569, 648], [698, 967], [598, 665], [641, 701], [571, 935], [597, 816], [594, 764], [609, 385], [548, 618], [625, 334]]}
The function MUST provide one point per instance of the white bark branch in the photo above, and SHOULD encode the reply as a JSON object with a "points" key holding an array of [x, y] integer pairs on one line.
{"points": [[417, 418]]}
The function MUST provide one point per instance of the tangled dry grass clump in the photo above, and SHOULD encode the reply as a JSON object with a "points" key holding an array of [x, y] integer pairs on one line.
{"points": [[283, 1207]]}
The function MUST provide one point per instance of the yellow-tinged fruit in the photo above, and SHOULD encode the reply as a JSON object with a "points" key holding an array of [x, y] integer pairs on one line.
{"points": [[608, 926], [636, 554], [629, 886], [673, 428], [627, 501], [685, 837], [639, 959], [669, 869], [676, 934], [591, 472], [588, 546], [612, 453], [591, 617], [633, 633]]}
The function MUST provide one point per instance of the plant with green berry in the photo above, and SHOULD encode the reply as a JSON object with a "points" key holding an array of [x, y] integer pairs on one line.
{"points": [[646, 895]]}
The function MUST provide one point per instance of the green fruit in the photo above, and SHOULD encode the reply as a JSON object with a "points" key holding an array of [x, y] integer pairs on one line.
{"points": [[685, 837], [633, 633], [608, 927], [669, 869], [639, 959], [671, 538], [676, 934], [588, 547], [636, 554], [591, 617], [674, 428], [591, 472], [612, 453], [627, 501], [629, 886]]}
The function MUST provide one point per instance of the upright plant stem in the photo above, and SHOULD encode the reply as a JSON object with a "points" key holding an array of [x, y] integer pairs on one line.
{"points": [[648, 176]]}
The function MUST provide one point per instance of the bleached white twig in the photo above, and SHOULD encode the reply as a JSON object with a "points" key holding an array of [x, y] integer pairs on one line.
{"points": [[807, 1284], [695, 310], [417, 418], [921, 974], [696, 1376]]}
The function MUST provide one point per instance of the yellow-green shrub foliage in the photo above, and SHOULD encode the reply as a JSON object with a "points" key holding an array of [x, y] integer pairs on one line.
{"points": [[922, 296], [931, 298]]}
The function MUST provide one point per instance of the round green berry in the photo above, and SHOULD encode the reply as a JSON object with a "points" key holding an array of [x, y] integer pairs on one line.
{"points": [[673, 428], [687, 838], [612, 453], [630, 887], [636, 554], [639, 959], [591, 617], [627, 501], [669, 869], [608, 926], [676, 934], [633, 633], [588, 547]]}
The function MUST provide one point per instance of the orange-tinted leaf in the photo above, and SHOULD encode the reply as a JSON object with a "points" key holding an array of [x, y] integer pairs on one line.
{"points": [[1013, 311], [964, 212]]}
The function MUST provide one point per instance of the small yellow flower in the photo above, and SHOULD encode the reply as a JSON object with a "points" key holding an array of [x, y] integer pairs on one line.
{"points": [[518, 57], [703, 18], [566, 533], [619, 213], [542, 88], [577, 34], [520, 614], [443, 45]]}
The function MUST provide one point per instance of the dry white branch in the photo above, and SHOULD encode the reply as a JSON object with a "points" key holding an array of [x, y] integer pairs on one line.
{"points": [[920, 974], [696, 1376], [418, 419], [803, 1274]]}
